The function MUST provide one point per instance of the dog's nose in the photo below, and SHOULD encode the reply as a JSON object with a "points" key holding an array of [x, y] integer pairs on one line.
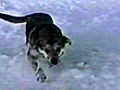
{"points": [[54, 61]]}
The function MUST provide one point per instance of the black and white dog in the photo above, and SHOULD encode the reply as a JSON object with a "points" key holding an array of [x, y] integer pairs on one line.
{"points": [[44, 39]]}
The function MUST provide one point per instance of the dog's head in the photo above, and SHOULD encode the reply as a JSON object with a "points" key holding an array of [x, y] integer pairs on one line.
{"points": [[51, 43], [53, 48]]}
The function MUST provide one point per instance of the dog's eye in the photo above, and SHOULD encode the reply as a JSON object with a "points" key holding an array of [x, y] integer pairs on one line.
{"points": [[46, 50], [58, 49]]}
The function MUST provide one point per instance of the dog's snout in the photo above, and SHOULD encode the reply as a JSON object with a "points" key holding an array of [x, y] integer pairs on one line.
{"points": [[54, 61]]}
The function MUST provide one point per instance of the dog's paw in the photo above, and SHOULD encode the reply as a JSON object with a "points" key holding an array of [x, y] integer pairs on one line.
{"points": [[41, 76]]}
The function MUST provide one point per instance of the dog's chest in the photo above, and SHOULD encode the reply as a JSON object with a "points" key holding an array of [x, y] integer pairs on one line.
{"points": [[35, 52]]}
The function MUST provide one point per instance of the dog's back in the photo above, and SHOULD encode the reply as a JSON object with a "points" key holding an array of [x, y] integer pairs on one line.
{"points": [[37, 19], [32, 21]]}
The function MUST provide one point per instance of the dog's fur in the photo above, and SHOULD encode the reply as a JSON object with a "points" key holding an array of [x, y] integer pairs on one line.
{"points": [[43, 37]]}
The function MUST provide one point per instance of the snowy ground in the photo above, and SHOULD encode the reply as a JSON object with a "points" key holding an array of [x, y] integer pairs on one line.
{"points": [[93, 26]]}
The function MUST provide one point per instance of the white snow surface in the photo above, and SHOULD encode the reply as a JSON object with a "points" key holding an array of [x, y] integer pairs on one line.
{"points": [[94, 28]]}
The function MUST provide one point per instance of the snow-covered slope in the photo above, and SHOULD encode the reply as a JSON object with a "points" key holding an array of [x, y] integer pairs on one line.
{"points": [[93, 26]]}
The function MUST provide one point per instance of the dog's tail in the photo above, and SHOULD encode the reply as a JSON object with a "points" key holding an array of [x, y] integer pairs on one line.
{"points": [[14, 19]]}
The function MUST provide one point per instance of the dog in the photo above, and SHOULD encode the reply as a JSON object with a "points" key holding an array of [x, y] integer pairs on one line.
{"points": [[43, 38]]}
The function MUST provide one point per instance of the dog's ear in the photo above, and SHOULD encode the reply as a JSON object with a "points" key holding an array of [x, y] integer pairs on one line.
{"points": [[66, 40]]}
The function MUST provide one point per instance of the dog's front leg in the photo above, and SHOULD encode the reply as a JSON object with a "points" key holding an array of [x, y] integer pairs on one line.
{"points": [[32, 57]]}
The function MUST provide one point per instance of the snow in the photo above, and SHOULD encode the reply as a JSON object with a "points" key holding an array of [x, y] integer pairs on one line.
{"points": [[91, 63]]}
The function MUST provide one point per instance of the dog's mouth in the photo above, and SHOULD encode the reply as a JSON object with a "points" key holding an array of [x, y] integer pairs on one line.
{"points": [[54, 61]]}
